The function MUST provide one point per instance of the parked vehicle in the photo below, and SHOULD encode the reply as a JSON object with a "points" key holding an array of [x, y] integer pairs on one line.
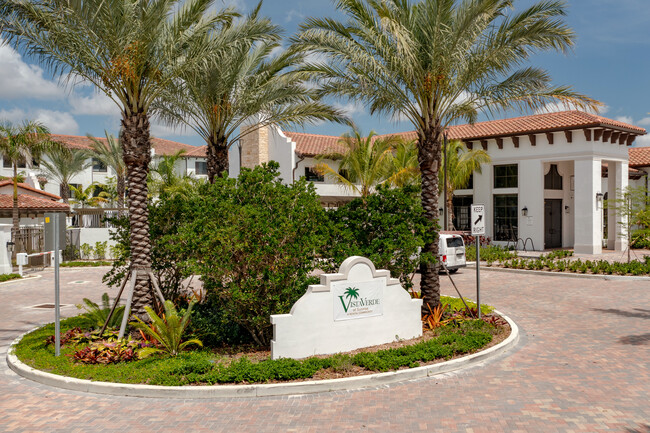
{"points": [[451, 252]]}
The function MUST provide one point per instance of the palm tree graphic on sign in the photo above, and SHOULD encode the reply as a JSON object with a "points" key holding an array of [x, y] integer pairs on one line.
{"points": [[350, 293]]}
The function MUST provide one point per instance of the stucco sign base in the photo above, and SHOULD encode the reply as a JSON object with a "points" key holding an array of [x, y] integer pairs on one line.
{"points": [[355, 308]]}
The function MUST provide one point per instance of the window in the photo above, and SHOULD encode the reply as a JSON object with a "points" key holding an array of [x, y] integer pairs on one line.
{"points": [[6, 163], [454, 242], [553, 180], [505, 217], [461, 206], [505, 176], [312, 176], [99, 166], [201, 167]]}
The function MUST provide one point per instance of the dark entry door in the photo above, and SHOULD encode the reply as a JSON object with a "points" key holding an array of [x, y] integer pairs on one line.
{"points": [[552, 223]]}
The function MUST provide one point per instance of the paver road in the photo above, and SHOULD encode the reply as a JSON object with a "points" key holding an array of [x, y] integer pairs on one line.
{"points": [[583, 365]]}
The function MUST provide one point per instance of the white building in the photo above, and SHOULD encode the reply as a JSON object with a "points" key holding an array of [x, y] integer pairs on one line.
{"points": [[544, 186], [193, 162]]}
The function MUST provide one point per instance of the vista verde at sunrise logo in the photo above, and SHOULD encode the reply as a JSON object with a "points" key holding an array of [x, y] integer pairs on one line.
{"points": [[351, 295]]}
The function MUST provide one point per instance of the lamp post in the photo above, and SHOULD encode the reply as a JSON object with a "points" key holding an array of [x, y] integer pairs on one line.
{"points": [[446, 212]]}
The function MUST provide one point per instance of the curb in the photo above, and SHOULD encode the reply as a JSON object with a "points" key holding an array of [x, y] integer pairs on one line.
{"points": [[16, 280], [262, 390], [565, 274]]}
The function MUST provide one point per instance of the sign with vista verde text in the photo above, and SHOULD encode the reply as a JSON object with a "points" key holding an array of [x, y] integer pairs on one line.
{"points": [[356, 300]]}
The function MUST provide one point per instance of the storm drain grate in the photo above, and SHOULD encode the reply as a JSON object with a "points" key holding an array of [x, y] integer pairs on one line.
{"points": [[50, 306]]}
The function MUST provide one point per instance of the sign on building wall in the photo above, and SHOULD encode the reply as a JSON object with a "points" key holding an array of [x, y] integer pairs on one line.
{"points": [[357, 300], [357, 307]]}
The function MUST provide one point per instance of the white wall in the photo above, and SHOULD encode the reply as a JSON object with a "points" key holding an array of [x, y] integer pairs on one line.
{"points": [[92, 235]]}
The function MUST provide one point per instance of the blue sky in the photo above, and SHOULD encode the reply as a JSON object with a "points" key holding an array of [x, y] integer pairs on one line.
{"points": [[611, 63]]}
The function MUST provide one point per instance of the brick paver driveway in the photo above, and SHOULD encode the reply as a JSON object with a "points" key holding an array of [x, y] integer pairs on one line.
{"points": [[583, 365]]}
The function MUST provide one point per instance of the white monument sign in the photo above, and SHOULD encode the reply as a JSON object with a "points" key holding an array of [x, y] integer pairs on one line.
{"points": [[478, 219], [358, 307]]}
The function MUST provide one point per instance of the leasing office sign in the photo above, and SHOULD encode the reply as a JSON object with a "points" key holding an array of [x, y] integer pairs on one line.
{"points": [[357, 300]]}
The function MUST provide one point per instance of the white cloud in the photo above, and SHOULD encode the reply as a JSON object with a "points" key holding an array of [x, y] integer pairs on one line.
{"points": [[97, 104], [554, 107], [350, 109], [293, 14], [161, 130], [625, 119], [59, 122], [645, 121], [643, 140], [21, 80]]}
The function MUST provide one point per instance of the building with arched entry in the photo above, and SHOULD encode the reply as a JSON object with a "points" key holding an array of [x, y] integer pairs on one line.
{"points": [[545, 185]]}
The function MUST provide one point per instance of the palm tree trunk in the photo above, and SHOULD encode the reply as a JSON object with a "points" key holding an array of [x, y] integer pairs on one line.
{"points": [[429, 162], [136, 146], [65, 193], [217, 162], [450, 208], [15, 229]]}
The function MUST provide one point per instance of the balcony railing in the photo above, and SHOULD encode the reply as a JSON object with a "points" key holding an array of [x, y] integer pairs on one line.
{"points": [[93, 217]]}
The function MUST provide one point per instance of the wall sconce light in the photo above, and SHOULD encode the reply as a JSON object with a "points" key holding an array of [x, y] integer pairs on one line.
{"points": [[10, 248], [524, 211], [599, 200], [441, 210], [566, 209]]}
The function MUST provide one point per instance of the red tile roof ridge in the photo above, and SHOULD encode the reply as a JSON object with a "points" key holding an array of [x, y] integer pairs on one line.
{"points": [[28, 202], [30, 188]]}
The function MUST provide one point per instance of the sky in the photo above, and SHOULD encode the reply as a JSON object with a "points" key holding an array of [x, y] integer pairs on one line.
{"points": [[610, 63]]}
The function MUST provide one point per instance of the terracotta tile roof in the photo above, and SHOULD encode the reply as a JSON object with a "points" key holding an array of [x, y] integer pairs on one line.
{"points": [[29, 188], [29, 203], [200, 152], [312, 144], [160, 145], [639, 156], [546, 122]]}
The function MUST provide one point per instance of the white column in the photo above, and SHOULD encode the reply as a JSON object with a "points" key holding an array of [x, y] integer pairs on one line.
{"points": [[621, 181], [531, 196], [612, 229], [588, 213]]}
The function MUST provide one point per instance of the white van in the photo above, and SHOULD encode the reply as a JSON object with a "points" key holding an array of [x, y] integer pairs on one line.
{"points": [[451, 252]]}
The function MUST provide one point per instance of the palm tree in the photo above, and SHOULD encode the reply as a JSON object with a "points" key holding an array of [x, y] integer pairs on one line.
{"points": [[110, 154], [23, 144], [436, 62], [164, 178], [461, 164], [131, 50], [62, 165], [363, 162], [403, 164], [85, 197], [246, 89]]}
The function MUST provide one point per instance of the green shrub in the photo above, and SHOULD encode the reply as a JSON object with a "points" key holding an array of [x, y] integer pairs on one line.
{"points": [[253, 240], [388, 227], [8, 277], [490, 253], [167, 330], [87, 251], [97, 315], [100, 250]]}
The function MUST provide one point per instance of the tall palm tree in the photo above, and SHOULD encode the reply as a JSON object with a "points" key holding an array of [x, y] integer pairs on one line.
{"points": [[461, 164], [62, 165], [110, 154], [131, 50], [363, 162], [22, 144], [249, 87], [436, 62]]}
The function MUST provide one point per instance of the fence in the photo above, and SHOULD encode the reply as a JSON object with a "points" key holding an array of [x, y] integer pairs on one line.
{"points": [[93, 217], [30, 241]]}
